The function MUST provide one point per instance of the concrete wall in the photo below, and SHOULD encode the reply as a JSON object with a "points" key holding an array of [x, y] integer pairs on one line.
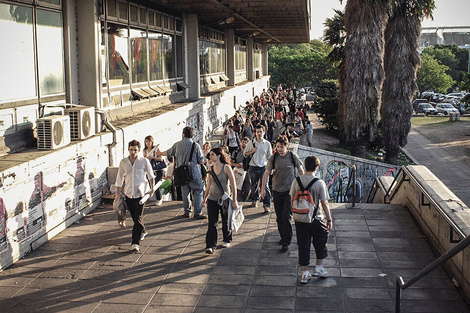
{"points": [[435, 208], [336, 170], [43, 192]]}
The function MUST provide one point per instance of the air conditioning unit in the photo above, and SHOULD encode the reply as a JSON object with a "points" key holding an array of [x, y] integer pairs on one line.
{"points": [[82, 122], [53, 132]]}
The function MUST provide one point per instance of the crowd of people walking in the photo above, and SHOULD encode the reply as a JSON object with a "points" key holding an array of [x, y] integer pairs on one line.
{"points": [[252, 163]]}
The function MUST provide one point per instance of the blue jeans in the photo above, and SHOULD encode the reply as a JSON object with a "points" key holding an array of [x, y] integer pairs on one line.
{"points": [[283, 208], [256, 176], [195, 187]]}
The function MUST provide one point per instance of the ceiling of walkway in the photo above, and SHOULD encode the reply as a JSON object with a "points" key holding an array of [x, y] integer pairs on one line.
{"points": [[275, 21]]}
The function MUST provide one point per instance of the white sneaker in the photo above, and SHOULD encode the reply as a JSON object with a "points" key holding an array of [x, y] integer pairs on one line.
{"points": [[305, 277], [320, 271], [159, 202], [226, 244], [135, 247], [210, 250], [143, 235]]}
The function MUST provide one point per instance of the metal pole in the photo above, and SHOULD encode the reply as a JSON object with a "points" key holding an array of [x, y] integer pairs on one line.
{"points": [[354, 187], [398, 294]]}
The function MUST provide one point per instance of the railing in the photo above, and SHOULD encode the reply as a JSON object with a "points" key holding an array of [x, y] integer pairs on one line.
{"points": [[402, 176], [401, 285]]}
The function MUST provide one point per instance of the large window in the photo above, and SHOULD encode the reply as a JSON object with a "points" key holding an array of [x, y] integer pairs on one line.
{"points": [[257, 57], [168, 57], [139, 55], [118, 56], [155, 47], [240, 57], [211, 57], [146, 48], [24, 78]]}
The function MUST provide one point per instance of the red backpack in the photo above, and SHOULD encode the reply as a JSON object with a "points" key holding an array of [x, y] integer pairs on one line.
{"points": [[303, 203]]}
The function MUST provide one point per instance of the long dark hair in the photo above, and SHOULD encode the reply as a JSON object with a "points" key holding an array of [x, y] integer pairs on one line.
{"points": [[223, 156]]}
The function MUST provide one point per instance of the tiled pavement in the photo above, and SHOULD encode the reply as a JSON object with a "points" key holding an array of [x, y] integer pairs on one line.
{"points": [[89, 268]]}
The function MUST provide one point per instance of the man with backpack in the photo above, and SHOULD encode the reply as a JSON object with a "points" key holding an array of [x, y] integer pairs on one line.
{"points": [[283, 164], [311, 222]]}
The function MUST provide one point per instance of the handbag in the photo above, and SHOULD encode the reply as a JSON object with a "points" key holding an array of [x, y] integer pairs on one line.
{"points": [[157, 165], [182, 174], [120, 207], [235, 217]]}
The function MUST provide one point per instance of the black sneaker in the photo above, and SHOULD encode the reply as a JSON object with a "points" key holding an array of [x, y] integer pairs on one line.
{"points": [[284, 248], [199, 216]]}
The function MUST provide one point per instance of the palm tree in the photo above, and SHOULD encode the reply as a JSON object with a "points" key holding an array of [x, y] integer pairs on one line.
{"points": [[365, 22], [335, 36], [401, 64]]}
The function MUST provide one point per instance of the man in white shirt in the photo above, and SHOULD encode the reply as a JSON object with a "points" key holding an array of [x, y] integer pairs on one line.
{"points": [[135, 178], [260, 149]]}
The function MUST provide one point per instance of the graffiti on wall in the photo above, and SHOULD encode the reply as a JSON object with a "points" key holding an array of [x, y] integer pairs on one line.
{"points": [[32, 207], [337, 172]]}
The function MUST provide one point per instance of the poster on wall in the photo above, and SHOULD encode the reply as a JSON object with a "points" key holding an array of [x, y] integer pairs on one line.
{"points": [[3, 227]]}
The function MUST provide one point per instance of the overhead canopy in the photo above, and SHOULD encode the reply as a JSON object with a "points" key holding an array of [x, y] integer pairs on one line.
{"points": [[274, 21]]}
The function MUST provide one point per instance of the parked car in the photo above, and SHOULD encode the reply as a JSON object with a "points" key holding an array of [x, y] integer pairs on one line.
{"points": [[446, 108], [417, 102], [458, 95], [426, 108]]}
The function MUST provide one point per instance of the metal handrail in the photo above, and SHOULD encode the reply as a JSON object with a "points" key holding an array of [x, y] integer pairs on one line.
{"points": [[431, 200], [401, 285]]}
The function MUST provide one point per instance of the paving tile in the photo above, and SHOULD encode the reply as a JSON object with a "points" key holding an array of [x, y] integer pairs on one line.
{"points": [[222, 301], [169, 309], [119, 308], [311, 290], [369, 305], [230, 279], [273, 303], [228, 289], [367, 293], [325, 304], [357, 255], [271, 280], [126, 297], [276, 270], [366, 282], [172, 300], [360, 272], [273, 291]]}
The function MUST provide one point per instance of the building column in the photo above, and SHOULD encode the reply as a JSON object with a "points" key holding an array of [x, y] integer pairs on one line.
{"points": [[265, 59], [249, 57], [230, 49], [88, 54], [192, 52], [70, 47]]}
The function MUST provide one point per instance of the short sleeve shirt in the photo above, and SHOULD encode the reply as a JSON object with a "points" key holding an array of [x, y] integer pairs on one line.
{"points": [[318, 190], [181, 150], [284, 170]]}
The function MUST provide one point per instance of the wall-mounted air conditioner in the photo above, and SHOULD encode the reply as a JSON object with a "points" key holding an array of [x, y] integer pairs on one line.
{"points": [[82, 122], [53, 132]]}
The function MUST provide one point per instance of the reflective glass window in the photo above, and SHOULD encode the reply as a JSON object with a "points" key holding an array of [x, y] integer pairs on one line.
{"points": [[155, 51], [139, 55], [16, 19], [118, 56], [168, 57], [50, 52]]}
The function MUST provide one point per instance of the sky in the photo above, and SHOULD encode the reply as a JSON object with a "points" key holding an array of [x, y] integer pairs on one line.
{"points": [[446, 13]]}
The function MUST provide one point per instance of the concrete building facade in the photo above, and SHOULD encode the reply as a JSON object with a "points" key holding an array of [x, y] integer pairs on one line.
{"points": [[82, 78]]}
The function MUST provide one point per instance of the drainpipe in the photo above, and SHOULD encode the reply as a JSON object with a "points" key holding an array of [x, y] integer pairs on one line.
{"points": [[113, 129]]}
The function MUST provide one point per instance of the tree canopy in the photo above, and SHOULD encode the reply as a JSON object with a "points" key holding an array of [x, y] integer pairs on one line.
{"points": [[432, 75], [300, 64]]}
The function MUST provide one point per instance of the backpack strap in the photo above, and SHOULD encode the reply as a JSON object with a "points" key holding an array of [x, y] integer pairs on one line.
{"points": [[216, 179], [300, 183], [311, 183], [291, 156], [308, 187]]}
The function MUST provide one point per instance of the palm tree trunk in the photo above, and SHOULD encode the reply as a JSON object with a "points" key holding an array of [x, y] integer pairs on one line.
{"points": [[401, 64], [364, 74]]}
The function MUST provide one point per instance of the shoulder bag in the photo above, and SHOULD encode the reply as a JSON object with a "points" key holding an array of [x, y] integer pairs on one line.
{"points": [[182, 174]]}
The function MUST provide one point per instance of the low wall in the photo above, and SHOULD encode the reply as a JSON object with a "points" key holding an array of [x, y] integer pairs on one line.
{"points": [[443, 217], [336, 170], [43, 192]]}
